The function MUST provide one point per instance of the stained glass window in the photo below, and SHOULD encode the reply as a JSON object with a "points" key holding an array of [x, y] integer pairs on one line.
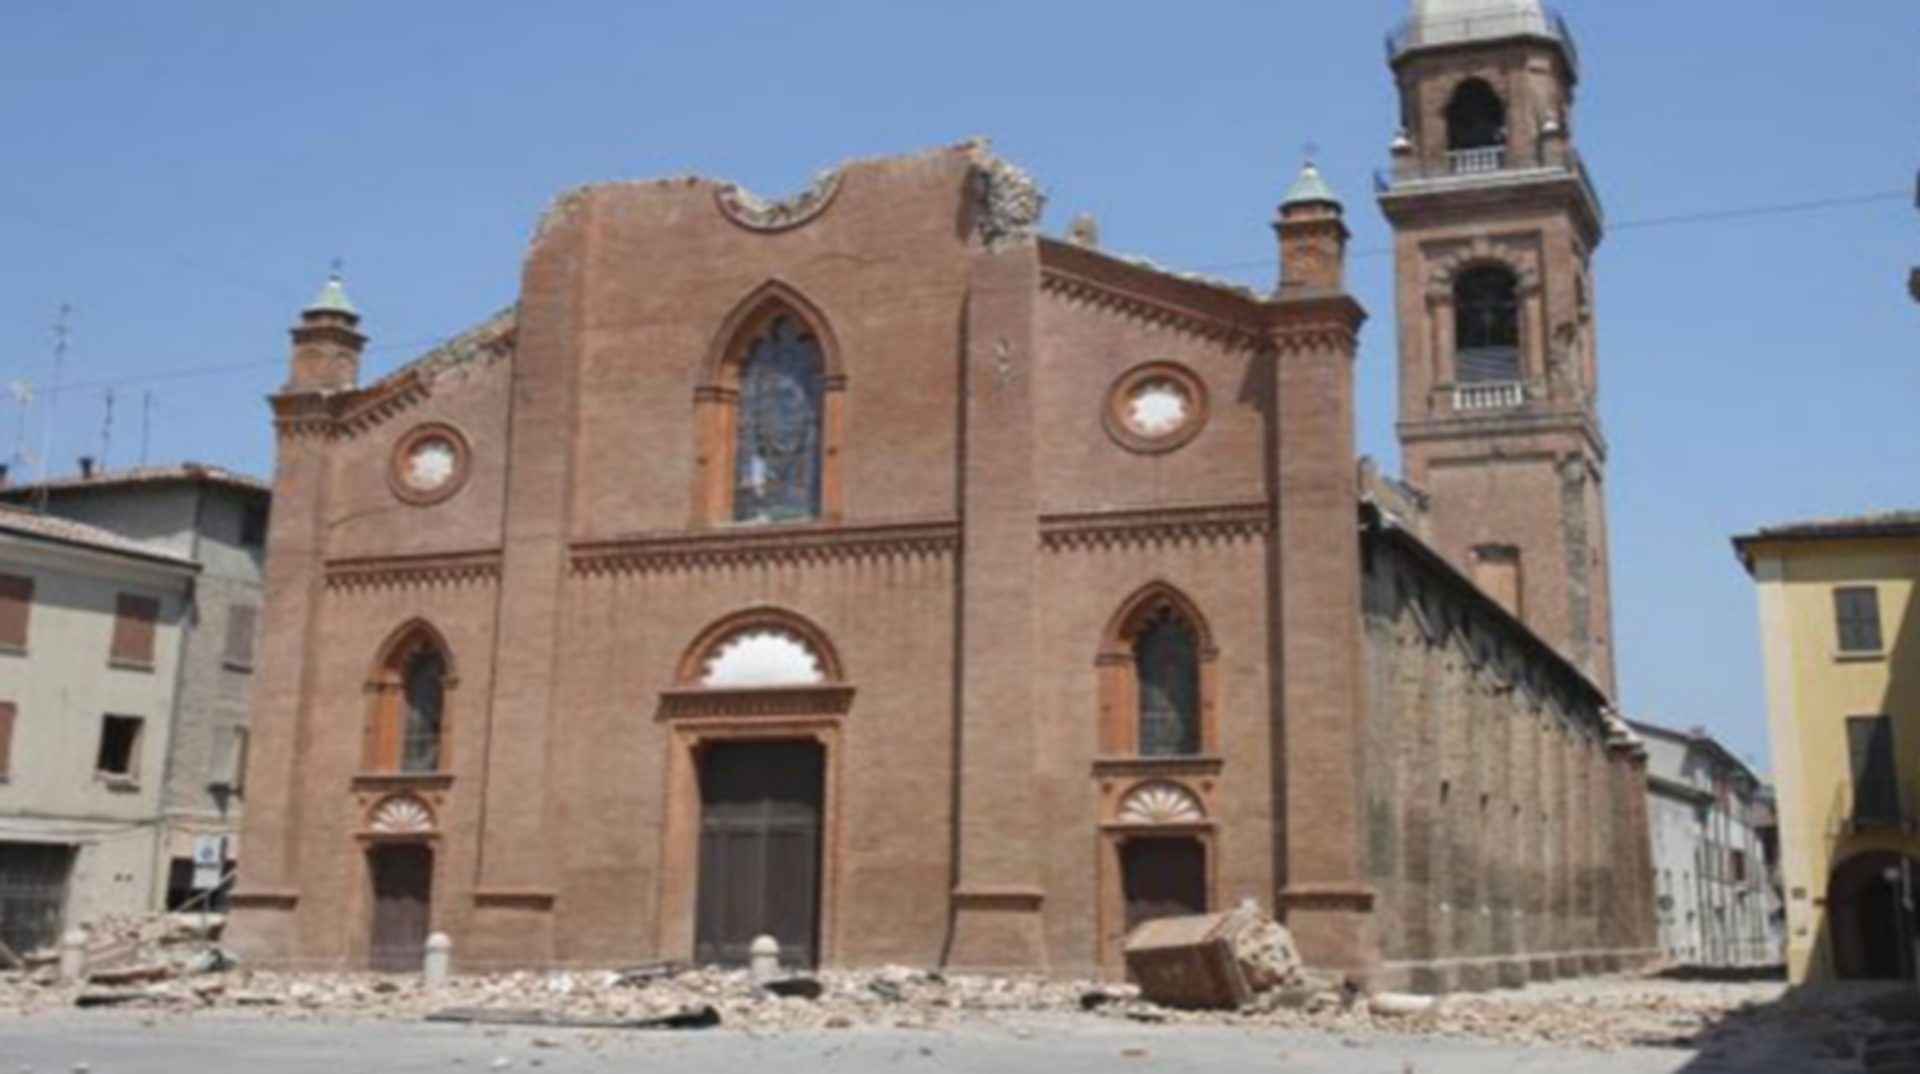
{"points": [[1166, 659], [425, 687], [777, 445]]}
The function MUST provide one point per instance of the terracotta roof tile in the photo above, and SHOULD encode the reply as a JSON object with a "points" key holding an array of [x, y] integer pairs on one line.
{"points": [[67, 531], [181, 472], [1882, 524]]}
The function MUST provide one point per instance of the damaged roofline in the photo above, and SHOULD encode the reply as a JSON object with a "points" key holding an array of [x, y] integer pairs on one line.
{"points": [[1382, 521]]}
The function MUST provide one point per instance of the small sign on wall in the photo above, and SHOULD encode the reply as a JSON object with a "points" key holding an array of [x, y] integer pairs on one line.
{"points": [[209, 861]]}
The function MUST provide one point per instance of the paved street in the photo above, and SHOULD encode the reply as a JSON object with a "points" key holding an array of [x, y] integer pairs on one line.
{"points": [[122, 1044]]}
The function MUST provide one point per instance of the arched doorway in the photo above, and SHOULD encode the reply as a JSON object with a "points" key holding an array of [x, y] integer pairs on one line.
{"points": [[1870, 918]]}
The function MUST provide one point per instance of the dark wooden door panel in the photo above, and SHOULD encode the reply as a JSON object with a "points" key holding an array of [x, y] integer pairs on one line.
{"points": [[1163, 878], [759, 850], [402, 907], [33, 893]]}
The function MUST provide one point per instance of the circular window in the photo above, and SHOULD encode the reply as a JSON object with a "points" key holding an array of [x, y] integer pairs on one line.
{"points": [[429, 464], [1157, 407]]}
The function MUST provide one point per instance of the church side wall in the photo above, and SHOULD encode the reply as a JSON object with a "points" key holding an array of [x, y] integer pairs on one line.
{"points": [[1504, 833]]}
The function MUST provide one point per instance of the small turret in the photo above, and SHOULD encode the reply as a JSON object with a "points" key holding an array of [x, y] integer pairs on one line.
{"points": [[327, 342], [1313, 236]]}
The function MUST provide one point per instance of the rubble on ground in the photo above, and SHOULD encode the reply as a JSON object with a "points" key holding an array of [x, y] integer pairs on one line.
{"points": [[163, 972]]}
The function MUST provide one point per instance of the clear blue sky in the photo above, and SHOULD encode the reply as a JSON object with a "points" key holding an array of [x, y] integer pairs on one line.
{"points": [[182, 173]]}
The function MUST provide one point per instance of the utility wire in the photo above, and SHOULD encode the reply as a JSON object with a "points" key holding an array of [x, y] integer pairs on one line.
{"points": [[1705, 216]]}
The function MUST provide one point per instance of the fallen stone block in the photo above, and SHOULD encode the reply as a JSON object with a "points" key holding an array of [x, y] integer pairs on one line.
{"points": [[1188, 962], [647, 973], [796, 988], [1266, 951], [1400, 1005], [126, 975], [1212, 961]]}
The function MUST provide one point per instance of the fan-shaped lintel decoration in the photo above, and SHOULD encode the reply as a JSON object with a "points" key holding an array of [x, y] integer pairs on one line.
{"points": [[1161, 803]]}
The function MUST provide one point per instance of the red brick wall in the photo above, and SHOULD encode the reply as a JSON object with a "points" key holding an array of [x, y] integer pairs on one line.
{"points": [[991, 531]]}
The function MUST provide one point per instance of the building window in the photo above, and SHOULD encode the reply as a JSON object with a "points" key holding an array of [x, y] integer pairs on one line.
{"points": [[133, 629], [242, 621], [1157, 679], [253, 525], [1476, 117], [1856, 611], [230, 759], [1486, 311], [119, 754], [429, 463], [426, 697], [778, 440], [761, 648], [16, 608], [1166, 660], [408, 729], [769, 416], [7, 712], [1876, 783]]}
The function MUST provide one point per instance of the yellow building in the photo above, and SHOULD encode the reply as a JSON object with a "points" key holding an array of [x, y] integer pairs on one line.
{"points": [[1841, 633]]}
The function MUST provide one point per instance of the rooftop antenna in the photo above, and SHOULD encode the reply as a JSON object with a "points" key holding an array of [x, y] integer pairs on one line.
{"points": [[22, 394], [146, 422], [62, 334], [106, 431]]}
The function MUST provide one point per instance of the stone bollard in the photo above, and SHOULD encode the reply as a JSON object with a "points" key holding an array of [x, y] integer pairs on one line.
{"points": [[439, 961], [73, 956], [763, 959]]}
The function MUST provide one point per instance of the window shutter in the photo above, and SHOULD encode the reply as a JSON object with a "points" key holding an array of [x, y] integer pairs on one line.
{"points": [[6, 738], [241, 622], [1857, 612], [16, 603], [230, 758], [1876, 788], [133, 622]]}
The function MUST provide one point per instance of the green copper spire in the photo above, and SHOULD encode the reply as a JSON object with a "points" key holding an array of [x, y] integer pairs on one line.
{"points": [[1310, 189], [332, 299]]}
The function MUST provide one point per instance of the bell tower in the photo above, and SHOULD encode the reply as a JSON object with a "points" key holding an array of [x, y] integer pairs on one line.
{"points": [[1495, 223]]}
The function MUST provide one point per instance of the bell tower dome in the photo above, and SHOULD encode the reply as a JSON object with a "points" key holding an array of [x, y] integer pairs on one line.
{"points": [[1495, 223]]}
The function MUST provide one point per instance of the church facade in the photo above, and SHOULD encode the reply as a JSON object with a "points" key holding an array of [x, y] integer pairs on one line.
{"points": [[612, 631]]}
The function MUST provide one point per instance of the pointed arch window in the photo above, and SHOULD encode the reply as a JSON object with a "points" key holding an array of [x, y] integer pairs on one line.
{"points": [[777, 464], [424, 684], [768, 415], [1166, 661], [1157, 680], [407, 730]]}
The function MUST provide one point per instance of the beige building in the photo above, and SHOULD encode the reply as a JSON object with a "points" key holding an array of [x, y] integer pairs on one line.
{"points": [[218, 519], [1841, 634], [90, 648]]}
